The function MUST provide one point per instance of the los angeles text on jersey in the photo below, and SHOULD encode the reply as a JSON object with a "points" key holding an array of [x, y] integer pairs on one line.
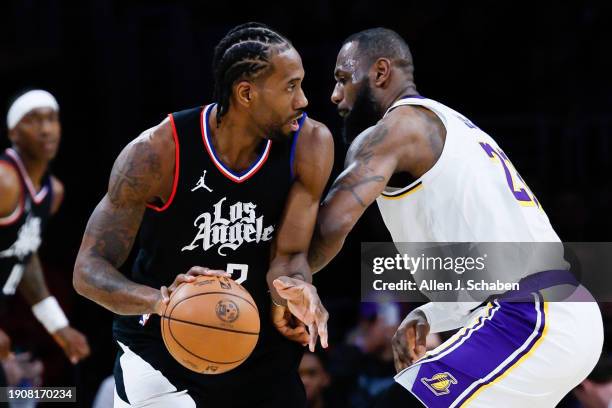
{"points": [[435, 285], [238, 225]]}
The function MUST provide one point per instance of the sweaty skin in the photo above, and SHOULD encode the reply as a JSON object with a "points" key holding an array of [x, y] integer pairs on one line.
{"points": [[408, 140], [143, 174]]}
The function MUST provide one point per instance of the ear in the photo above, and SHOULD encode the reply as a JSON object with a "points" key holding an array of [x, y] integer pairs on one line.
{"points": [[244, 93], [382, 71]]}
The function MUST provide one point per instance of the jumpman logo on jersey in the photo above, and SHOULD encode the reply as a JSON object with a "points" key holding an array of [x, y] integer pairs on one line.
{"points": [[202, 184]]}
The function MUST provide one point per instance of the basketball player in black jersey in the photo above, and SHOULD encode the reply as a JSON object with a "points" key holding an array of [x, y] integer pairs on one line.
{"points": [[231, 186], [29, 196]]}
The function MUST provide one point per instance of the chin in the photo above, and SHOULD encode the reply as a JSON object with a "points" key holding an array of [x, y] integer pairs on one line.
{"points": [[279, 135]]}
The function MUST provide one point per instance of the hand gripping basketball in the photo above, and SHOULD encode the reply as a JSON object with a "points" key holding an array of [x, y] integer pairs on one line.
{"points": [[190, 276], [211, 324]]}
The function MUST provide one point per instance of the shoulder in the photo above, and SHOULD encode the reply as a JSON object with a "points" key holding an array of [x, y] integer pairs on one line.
{"points": [[154, 146], [406, 129], [314, 153], [413, 122], [144, 165], [315, 144], [10, 188], [316, 132], [58, 193]]}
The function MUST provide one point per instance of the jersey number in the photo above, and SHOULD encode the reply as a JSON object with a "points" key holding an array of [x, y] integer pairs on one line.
{"points": [[239, 272], [513, 178]]}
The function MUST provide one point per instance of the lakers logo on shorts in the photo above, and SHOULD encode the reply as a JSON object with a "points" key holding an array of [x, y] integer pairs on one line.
{"points": [[227, 310], [439, 383]]}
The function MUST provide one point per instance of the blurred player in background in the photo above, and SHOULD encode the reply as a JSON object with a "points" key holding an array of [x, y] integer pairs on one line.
{"points": [[437, 177], [224, 186], [29, 196]]}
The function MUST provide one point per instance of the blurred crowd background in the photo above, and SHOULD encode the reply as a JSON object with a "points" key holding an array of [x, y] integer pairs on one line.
{"points": [[533, 75]]}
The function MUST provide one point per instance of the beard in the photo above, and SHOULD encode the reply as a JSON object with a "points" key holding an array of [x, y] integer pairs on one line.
{"points": [[276, 133], [365, 113]]}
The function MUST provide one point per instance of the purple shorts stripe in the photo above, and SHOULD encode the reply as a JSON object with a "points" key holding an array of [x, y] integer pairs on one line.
{"points": [[512, 363], [467, 333], [451, 377]]}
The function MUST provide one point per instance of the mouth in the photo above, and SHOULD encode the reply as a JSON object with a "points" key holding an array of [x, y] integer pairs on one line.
{"points": [[295, 123], [343, 112], [50, 145]]}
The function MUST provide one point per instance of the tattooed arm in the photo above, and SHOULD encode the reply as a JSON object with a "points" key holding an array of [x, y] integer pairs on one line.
{"points": [[370, 162], [141, 174], [409, 139]]}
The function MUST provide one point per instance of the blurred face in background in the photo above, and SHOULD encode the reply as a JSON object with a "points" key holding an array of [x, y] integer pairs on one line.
{"points": [[314, 376], [37, 134]]}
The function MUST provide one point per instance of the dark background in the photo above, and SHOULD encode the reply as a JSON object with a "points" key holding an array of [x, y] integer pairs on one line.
{"points": [[534, 76]]}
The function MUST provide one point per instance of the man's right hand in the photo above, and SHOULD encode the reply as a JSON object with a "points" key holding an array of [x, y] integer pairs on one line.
{"points": [[409, 342], [5, 345], [190, 276]]}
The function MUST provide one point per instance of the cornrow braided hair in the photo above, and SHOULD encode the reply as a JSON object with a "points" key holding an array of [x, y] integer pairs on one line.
{"points": [[244, 52]]}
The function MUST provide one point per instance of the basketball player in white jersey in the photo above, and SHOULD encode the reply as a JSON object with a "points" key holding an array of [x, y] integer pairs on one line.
{"points": [[436, 177]]}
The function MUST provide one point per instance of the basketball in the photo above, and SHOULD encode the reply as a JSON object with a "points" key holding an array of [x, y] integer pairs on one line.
{"points": [[210, 325]]}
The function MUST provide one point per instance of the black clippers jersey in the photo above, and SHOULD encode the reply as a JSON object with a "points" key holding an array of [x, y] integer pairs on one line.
{"points": [[21, 231], [219, 219]]}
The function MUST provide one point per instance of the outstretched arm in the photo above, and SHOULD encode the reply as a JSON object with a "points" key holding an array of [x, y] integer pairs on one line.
{"points": [[370, 162]]}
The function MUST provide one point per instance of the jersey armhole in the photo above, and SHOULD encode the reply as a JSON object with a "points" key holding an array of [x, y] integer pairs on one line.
{"points": [[18, 211], [176, 169]]}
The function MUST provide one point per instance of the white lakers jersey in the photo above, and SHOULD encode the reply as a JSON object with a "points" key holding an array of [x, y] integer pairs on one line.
{"points": [[473, 193]]}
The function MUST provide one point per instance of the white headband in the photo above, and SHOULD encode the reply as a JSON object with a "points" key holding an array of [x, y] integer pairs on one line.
{"points": [[28, 102]]}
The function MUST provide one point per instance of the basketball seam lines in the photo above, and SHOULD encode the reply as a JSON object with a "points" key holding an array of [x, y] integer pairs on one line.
{"points": [[214, 293], [196, 356], [211, 327]]}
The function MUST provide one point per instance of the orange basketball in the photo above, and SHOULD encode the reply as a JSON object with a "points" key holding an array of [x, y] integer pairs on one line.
{"points": [[210, 325]]}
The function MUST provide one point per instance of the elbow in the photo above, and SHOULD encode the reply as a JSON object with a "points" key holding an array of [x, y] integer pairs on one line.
{"points": [[78, 281], [335, 229]]}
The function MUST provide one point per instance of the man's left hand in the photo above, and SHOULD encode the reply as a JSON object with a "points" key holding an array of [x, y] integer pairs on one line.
{"points": [[304, 303], [288, 325], [73, 342]]}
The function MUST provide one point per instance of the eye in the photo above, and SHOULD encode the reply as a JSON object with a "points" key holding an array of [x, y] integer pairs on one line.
{"points": [[291, 87], [341, 80]]}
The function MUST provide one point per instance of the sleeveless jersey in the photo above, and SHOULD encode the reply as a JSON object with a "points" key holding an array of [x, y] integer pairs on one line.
{"points": [[473, 193], [21, 231], [220, 219]]}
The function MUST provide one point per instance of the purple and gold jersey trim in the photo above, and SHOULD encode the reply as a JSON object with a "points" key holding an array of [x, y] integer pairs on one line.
{"points": [[480, 355], [412, 188]]}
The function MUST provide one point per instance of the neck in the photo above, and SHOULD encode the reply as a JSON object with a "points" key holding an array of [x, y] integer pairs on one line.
{"points": [[236, 139], [35, 168], [399, 91]]}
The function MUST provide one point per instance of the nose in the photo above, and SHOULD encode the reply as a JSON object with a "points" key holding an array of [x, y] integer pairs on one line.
{"points": [[301, 101], [337, 96]]}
